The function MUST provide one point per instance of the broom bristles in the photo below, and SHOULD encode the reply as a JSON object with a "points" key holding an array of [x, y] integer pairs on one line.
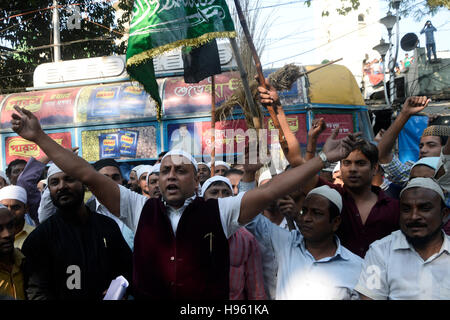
{"points": [[282, 79]]}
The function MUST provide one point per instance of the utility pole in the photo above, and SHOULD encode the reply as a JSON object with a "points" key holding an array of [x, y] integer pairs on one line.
{"points": [[56, 34]]}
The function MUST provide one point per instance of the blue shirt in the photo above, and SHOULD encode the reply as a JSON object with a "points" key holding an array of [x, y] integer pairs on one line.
{"points": [[300, 275], [429, 36], [268, 259]]}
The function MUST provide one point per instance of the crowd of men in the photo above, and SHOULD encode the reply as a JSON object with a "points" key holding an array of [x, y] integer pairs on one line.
{"points": [[374, 228]]}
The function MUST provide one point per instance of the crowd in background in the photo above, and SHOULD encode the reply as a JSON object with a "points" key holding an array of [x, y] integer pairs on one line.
{"points": [[349, 221]]}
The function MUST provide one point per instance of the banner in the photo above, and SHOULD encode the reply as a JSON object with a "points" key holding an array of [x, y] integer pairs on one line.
{"points": [[143, 146], [333, 120], [113, 102], [230, 135], [128, 143], [19, 148], [51, 107], [181, 98], [109, 146], [160, 26]]}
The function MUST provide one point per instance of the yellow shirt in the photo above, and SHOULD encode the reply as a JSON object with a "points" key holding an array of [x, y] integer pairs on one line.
{"points": [[22, 235], [12, 284]]}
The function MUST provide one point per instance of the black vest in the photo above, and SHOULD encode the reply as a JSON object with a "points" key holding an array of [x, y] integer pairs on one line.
{"points": [[193, 265]]}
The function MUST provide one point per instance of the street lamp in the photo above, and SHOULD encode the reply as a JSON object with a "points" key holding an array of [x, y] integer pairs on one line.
{"points": [[382, 48], [389, 22]]}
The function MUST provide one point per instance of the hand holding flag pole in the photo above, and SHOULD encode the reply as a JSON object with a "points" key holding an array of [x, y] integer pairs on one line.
{"points": [[261, 80]]}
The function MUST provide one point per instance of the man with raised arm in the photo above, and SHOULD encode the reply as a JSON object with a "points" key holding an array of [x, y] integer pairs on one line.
{"points": [[432, 140], [176, 257], [367, 214]]}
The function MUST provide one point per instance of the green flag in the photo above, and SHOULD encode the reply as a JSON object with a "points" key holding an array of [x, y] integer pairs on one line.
{"points": [[159, 26]]}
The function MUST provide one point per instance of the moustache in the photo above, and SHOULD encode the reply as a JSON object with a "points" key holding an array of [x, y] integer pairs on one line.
{"points": [[415, 225], [63, 193]]}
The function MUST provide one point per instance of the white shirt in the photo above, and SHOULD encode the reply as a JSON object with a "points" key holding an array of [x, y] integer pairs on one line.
{"points": [[131, 204], [300, 275], [127, 234], [394, 270]]}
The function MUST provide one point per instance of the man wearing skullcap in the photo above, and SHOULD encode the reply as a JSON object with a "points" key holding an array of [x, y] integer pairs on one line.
{"points": [[432, 140], [246, 274], [204, 172], [311, 261], [424, 168], [413, 262], [15, 199], [153, 182], [141, 176], [11, 259], [220, 167], [133, 183], [109, 168], [174, 255], [75, 253]]}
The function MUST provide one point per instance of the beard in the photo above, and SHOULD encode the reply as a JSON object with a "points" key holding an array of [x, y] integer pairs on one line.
{"points": [[77, 198], [422, 241]]}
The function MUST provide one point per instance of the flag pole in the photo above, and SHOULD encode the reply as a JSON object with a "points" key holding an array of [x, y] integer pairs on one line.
{"points": [[262, 82], [213, 124]]}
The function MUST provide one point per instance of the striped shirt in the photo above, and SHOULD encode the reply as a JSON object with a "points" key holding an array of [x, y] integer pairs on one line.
{"points": [[397, 171], [246, 275]]}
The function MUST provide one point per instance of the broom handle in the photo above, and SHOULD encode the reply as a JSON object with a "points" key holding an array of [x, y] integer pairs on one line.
{"points": [[262, 82], [245, 84]]}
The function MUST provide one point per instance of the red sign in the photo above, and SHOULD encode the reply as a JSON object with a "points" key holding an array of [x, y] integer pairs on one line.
{"points": [[52, 107], [297, 124], [343, 121], [19, 148], [184, 98], [230, 136]]}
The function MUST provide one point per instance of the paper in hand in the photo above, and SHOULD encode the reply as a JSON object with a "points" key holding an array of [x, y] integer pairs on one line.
{"points": [[117, 289]]}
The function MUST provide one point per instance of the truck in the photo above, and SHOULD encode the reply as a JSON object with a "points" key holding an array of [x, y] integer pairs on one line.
{"points": [[93, 104]]}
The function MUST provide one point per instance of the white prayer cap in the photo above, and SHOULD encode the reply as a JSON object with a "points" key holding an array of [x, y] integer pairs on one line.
{"points": [[204, 163], [330, 194], [266, 175], [219, 163], [143, 169], [211, 180], [179, 152], [337, 167], [426, 183], [135, 169], [13, 192], [53, 170], [431, 162], [3, 175], [154, 170]]}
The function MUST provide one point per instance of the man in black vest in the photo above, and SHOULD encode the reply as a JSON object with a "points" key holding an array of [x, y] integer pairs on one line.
{"points": [[176, 257]]}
